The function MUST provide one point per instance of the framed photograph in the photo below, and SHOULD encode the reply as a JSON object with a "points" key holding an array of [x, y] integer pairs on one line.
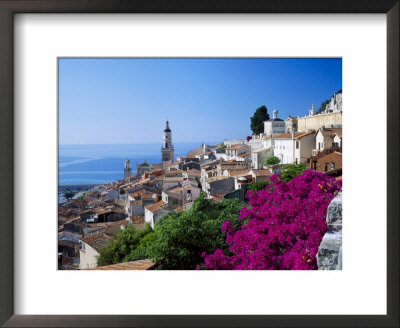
{"points": [[186, 83]]}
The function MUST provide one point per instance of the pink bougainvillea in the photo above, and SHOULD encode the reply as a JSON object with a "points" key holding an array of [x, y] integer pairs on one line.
{"points": [[283, 226]]}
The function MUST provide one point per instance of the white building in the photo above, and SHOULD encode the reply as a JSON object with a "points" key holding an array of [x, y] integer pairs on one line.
{"points": [[294, 147], [274, 126], [326, 138], [259, 156], [154, 213], [90, 250], [237, 149]]}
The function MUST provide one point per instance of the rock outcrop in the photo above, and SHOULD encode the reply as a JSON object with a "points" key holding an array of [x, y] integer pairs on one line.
{"points": [[329, 255]]}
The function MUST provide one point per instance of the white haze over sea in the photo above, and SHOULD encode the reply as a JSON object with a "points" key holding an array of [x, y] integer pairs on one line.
{"points": [[96, 164]]}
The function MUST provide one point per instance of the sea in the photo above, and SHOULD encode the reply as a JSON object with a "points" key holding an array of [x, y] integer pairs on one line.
{"points": [[98, 164]]}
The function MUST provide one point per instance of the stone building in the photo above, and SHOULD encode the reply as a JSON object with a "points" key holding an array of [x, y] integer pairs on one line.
{"points": [[127, 170], [315, 122], [274, 126], [143, 167], [291, 124], [167, 150], [330, 117]]}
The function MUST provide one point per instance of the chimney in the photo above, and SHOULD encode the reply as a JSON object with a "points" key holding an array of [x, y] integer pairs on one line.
{"points": [[292, 133]]}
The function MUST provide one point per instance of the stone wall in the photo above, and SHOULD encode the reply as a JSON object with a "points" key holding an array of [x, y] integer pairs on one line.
{"points": [[314, 122], [329, 255]]}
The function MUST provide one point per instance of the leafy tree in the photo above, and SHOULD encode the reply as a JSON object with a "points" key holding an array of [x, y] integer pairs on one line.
{"points": [[81, 196], [222, 146], [272, 160], [68, 194], [127, 241], [181, 238], [257, 120], [256, 186], [292, 170]]}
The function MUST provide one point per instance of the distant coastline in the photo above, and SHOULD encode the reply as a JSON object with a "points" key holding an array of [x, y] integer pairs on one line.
{"points": [[100, 164]]}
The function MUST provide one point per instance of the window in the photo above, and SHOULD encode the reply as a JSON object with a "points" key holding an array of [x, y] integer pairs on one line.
{"points": [[332, 165], [326, 167], [297, 145]]}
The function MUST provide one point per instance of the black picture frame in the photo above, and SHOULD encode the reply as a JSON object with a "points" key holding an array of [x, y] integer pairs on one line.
{"points": [[7, 10]]}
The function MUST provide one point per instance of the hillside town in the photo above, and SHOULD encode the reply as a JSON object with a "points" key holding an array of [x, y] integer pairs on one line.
{"points": [[87, 223]]}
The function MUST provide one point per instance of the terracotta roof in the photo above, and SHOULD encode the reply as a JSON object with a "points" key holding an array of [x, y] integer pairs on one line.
{"points": [[97, 241], [90, 210], [221, 177], [133, 265], [179, 189], [194, 172], [338, 133], [232, 161], [218, 197], [244, 154], [236, 173], [95, 200], [107, 224], [156, 172], [138, 193], [149, 196], [261, 172], [297, 135], [155, 207], [236, 146], [173, 173], [331, 131], [334, 157], [173, 179]]}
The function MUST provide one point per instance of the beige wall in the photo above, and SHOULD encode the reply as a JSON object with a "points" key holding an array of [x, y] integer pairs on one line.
{"points": [[306, 145], [316, 121], [88, 258]]}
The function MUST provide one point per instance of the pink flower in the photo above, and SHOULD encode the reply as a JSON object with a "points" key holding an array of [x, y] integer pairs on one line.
{"points": [[285, 225]]}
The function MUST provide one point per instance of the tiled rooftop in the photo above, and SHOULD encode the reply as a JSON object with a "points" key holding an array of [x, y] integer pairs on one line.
{"points": [[97, 241], [133, 265], [155, 207]]}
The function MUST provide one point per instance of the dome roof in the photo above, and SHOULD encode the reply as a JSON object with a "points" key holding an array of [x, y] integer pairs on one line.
{"points": [[167, 129]]}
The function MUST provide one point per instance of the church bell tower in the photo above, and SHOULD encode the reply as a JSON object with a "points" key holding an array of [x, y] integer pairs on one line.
{"points": [[167, 150], [127, 170]]}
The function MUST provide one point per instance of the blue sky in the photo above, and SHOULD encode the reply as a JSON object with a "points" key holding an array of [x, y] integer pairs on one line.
{"points": [[111, 101]]}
